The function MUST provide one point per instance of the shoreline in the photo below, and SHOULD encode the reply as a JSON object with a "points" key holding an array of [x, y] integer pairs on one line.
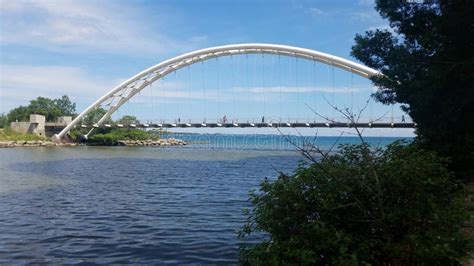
{"points": [[127, 143]]}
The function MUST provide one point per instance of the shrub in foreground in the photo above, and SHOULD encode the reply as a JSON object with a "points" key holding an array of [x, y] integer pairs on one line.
{"points": [[397, 206]]}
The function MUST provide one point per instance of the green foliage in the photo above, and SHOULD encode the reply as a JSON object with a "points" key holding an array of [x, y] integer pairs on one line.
{"points": [[108, 139], [21, 113], [127, 120], [111, 138], [3, 121], [65, 106], [428, 65], [398, 206], [7, 134], [91, 118], [76, 134], [50, 108], [44, 106], [94, 116]]}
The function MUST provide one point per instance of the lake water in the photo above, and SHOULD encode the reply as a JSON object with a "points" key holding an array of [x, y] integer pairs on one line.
{"points": [[138, 205]]}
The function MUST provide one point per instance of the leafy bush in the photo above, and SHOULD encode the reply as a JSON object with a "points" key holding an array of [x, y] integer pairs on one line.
{"points": [[104, 139], [112, 138], [398, 206]]}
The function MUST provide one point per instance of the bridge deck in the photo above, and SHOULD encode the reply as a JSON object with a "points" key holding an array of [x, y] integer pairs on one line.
{"points": [[255, 125]]}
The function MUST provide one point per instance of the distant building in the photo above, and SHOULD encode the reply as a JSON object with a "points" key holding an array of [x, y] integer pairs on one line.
{"points": [[38, 125]]}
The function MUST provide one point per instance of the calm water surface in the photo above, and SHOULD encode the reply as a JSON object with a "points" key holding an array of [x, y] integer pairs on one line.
{"points": [[132, 205]]}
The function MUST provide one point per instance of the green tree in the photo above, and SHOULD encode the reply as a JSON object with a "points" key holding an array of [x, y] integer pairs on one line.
{"points": [[128, 119], [95, 115], [3, 121], [428, 64], [45, 106], [398, 206], [50, 108], [92, 118], [65, 106], [21, 113]]}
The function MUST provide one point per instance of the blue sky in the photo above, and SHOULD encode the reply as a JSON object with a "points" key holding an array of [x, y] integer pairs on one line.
{"points": [[84, 48]]}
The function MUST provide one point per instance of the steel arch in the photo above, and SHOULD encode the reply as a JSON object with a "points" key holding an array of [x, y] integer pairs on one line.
{"points": [[129, 88]]}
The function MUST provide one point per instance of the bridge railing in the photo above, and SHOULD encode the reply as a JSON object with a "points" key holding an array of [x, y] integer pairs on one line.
{"points": [[272, 119]]}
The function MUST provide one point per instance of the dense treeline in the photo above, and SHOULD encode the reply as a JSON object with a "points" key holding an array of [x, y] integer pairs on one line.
{"points": [[50, 108], [401, 206]]}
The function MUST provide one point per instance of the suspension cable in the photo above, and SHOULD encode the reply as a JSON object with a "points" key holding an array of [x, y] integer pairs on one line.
{"points": [[308, 88], [289, 83], [254, 75], [297, 90], [233, 85], [332, 81], [165, 101], [263, 86], [270, 83], [314, 85], [152, 105], [248, 83], [188, 90], [203, 89], [279, 85], [178, 99], [218, 90]]}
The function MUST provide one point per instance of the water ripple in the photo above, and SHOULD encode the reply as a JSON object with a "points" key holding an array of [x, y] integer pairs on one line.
{"points": [[105, 209]]}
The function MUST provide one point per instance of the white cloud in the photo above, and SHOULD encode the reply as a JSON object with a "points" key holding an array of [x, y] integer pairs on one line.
{"points": [[315, 11], [72, 25], [20, 84]]}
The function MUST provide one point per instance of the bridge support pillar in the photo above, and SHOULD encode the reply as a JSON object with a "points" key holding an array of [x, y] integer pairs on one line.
{"points": [[56, 139]]}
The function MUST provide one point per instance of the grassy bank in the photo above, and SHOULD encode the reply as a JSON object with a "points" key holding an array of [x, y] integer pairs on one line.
{"points": [[7, 134]]}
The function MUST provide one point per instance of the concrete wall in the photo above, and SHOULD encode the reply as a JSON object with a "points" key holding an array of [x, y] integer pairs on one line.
{"points": [[39, 121], [64, 120], [36, 125], [22, 127]]}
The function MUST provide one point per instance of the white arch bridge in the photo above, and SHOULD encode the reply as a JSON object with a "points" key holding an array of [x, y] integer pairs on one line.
{"points": [[122, 93]]}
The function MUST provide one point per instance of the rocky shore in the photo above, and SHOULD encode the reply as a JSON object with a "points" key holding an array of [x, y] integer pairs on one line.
{"points": [[34, 143], [45, 143], [160, 142]]}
